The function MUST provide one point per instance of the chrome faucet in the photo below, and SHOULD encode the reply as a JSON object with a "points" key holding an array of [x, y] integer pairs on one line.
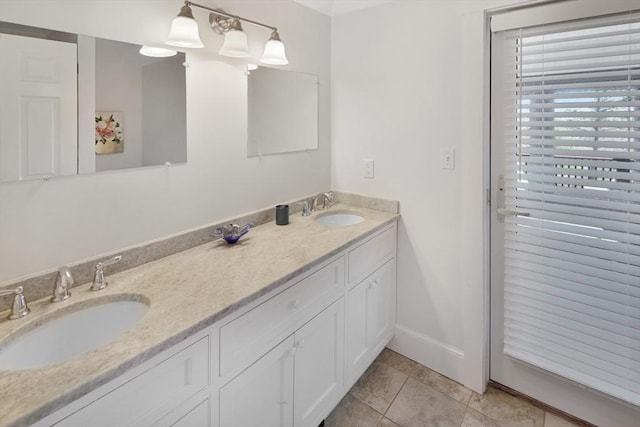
{"points": [[19, 307], [64, 281], [327, 200], [99, 281]]}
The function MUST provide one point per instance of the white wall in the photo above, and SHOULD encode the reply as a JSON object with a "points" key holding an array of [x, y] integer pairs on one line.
{"points": [[407, 81], [164, 102], [47, 224]]}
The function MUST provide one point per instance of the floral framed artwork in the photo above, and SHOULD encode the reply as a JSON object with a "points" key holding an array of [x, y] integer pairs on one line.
{"points": [[109, 132]]}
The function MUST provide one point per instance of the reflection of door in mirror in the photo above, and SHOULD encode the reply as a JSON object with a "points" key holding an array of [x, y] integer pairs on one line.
{"points": [[38, 108], [52, 83]]}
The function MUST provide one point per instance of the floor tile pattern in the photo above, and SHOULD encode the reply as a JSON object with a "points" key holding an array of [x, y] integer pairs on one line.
{"points": [[397, 392]]}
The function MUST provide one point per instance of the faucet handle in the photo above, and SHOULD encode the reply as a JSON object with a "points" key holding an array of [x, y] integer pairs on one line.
{"points": [[19, 307], [305, 207], [99, 281], [64, 281], [328, 199]]}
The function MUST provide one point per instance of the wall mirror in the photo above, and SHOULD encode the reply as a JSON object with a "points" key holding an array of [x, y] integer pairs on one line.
{"points": [[74, 104], [282, 111]]}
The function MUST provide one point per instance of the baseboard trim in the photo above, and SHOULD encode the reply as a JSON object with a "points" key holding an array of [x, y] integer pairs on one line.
{"points": [[442, 358]]}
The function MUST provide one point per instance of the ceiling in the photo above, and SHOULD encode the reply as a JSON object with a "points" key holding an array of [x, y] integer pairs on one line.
{"points": [[337, 7]]}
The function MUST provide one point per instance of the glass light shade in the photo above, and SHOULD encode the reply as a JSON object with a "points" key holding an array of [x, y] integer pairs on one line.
{"points": [[157, 52], [274, 53], [235, 44], [184, 33]]}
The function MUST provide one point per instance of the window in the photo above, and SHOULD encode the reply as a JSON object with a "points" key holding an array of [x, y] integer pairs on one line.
{"points": [[572, 148]]}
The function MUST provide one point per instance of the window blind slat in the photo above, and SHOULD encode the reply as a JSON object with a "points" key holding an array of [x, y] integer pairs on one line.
{"points": [[587, 78], [555, 240], [618, 196], [597, 348], [557, 347], [553, 181], [528, 277], [600, 274], [572, 259], [568, 152], [524, 223], [522, 264]]}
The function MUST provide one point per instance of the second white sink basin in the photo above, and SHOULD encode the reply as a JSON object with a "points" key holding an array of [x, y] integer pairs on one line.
{"points": [[339, 219], [71, 332]]}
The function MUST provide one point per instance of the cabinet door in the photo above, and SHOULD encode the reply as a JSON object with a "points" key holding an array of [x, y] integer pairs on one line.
{"points": [[262, 395], [199, 411], [196, 417], [319, 366], [381, 307], [357, 350], [371, 313]]}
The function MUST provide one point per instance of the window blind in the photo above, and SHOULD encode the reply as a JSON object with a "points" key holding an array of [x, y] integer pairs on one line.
{"points": [[572, 149]]}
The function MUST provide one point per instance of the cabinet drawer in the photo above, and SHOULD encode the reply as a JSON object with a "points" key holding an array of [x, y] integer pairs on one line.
{"points": [[150, 395], [370, 255], [251, 335]]}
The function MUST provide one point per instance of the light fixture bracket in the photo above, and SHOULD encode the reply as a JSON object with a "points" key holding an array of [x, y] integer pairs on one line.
{"points": [[221, 23]]}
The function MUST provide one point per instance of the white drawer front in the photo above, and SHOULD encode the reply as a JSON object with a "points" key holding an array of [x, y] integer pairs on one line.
{"points": [[150, 395], [248, 337], [370, 255]]}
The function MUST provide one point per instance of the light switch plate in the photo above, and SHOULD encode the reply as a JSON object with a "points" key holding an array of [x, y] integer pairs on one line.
{"points": [[448, 158], [367, 168]]}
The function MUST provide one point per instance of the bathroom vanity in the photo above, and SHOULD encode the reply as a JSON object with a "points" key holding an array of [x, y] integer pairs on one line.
{"points": [[271, 331]]}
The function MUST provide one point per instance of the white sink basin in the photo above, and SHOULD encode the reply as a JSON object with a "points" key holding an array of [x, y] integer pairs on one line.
{"points": [[70, 332], [339, 219]]}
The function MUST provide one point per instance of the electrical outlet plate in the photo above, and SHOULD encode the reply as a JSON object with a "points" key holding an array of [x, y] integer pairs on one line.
{"points": [[448, 158], [367, 168]]}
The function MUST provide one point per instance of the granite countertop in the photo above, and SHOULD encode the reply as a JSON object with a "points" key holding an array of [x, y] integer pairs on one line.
{"points": [[213, 280]]}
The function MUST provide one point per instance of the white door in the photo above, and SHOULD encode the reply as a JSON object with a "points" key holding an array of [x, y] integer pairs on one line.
{"points": [[262, 395], [319, 366], [38, 108], [565, 278]]}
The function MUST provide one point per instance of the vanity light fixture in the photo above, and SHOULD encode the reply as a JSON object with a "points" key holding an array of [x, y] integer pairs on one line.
{"points": [[184, 29], [235, 41], [184, 33]]}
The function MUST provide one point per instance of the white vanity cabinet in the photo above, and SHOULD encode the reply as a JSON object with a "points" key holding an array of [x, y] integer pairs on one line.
{"points": [[298, 338], [284, 360], [371, 302], [297, 383]]}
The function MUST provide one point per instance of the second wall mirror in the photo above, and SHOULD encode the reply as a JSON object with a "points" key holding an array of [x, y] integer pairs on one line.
{"points": [[282, 111]]}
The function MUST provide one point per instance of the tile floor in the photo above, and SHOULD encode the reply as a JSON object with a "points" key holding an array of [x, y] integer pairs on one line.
{"points": [[396, 391]]}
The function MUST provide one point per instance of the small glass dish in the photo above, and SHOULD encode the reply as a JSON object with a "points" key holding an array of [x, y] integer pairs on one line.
{"points": [[231, 233]]}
